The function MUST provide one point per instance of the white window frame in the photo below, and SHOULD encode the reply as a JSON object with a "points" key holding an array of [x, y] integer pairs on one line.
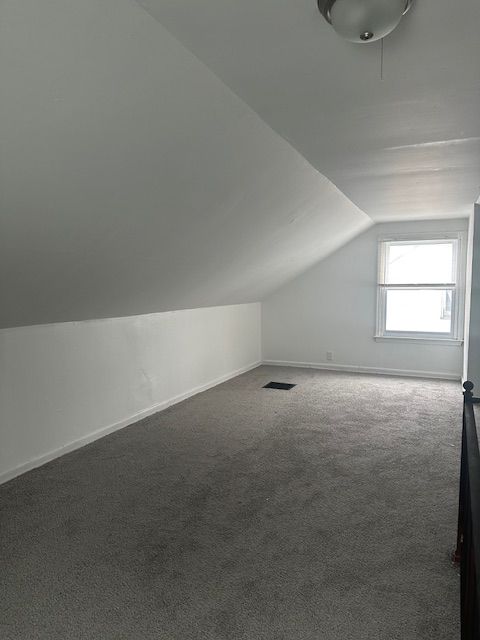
{"points": [[455, 337]]}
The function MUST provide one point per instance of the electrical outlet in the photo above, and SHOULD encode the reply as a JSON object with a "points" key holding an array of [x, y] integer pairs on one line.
{"points": [[329, 356]]}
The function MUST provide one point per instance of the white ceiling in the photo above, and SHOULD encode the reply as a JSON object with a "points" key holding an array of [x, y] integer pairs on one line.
{"points": [[132, 180], [405, 146]]}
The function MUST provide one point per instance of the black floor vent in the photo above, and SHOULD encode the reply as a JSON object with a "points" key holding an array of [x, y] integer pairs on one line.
{"points": [[279, 385]]}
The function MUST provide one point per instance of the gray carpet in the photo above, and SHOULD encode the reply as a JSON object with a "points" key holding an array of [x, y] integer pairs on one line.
{"points": [[324, 512]]}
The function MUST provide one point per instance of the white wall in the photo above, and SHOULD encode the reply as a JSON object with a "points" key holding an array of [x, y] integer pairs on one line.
{"points": [[471, 369], [332, 307], [62, 385]]}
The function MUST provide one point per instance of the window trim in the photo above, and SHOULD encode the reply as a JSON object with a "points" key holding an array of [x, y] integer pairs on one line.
{"points": [[455, 337]]}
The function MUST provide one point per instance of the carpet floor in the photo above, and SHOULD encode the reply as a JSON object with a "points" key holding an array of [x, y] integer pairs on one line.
{"points": [[325, 512]]}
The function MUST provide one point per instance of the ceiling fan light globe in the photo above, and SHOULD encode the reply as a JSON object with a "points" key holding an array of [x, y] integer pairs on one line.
{"points": [[353, 19]]}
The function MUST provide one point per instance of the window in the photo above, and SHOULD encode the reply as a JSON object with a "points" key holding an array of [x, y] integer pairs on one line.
{"points": [[418, 288]]}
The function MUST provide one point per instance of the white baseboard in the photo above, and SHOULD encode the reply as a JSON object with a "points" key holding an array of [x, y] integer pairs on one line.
{"points": [[330, 366], [104, 431]]}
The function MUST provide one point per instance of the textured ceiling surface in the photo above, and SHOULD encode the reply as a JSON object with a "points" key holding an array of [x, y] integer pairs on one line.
{"points": [[160, 155], [132, 180], [405, 145]]}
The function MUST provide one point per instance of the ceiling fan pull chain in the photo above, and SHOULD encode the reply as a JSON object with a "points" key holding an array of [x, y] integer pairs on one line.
{"points": [[381, 60]]}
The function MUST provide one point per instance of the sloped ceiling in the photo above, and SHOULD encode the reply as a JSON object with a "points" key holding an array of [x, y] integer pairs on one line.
{"points": [[132, 180], [403, 146]]}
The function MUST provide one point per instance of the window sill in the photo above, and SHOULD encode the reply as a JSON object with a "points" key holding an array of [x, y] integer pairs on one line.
{"points": [[446, 342]]}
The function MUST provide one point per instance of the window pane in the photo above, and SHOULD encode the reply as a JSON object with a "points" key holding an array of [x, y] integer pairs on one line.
{"points": [[419, 310], [420, 263]]}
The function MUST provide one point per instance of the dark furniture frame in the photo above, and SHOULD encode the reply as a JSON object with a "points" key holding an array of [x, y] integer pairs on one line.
{"points": [[467, 553]]}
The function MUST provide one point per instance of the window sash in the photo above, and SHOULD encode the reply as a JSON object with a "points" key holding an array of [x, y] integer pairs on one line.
{"points": [[385, 247], [382, 313]]}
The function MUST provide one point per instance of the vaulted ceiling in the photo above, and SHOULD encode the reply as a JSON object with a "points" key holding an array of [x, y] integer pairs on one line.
{"points": [[405, 145], [134, 180]]}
